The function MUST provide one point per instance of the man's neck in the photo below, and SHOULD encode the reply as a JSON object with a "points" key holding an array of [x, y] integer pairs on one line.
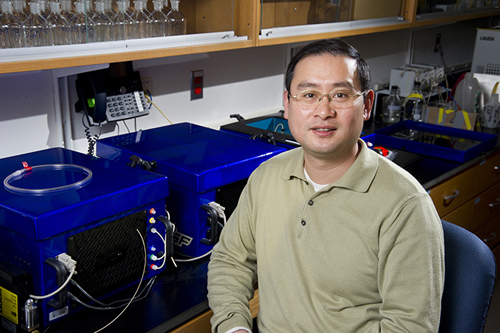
{"points": [[327, 171]]}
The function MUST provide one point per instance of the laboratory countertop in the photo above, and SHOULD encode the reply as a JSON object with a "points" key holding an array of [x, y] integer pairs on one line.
{"points": [[180, 294]]}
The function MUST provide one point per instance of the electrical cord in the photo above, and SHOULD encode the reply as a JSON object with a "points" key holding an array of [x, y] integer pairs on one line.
{"points": [[126, 126], [164, 240], [71, 273], [195, 258], [154, 231], [220, 211], [138, 287], [151, 101], [111, 306], [91, 140], [282, 128]]}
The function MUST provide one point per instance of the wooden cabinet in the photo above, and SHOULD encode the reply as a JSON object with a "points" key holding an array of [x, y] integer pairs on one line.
{"points": [[488, 172], [471, 199], [245, 19], [486, 205], [453, 193]]}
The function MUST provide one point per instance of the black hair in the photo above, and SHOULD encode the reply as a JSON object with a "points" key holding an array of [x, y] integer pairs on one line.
{"points": [[335, 47]]}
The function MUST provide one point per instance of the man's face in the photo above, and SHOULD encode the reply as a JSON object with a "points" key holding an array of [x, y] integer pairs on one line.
{"points": [[324, 132]]}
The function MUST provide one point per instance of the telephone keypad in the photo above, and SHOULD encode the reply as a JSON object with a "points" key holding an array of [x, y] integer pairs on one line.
{"points": [[129, 105]]}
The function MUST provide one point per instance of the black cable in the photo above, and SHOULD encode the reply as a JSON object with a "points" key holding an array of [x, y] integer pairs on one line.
{"points": [[111, 305], [91, 139]]}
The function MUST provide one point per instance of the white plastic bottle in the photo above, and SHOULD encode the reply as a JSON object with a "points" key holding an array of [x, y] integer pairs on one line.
{"points": [[469, 95]]}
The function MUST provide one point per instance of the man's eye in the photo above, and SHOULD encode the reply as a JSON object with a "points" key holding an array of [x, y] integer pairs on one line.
{"points": [[340, 95], [310, 95]]}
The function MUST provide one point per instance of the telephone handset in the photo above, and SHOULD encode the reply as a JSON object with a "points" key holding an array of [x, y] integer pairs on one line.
{"points": [[111, 94]]}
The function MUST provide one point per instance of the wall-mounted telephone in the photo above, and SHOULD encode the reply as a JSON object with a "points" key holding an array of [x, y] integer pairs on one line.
{"points": [[111, 94]]}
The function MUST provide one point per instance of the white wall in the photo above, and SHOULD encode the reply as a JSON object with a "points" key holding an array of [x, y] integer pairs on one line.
{"points": [[248, 82], [26, 120]]}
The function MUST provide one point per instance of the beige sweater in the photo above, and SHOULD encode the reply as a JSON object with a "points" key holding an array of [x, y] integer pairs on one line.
{"points": [[365, 254]]}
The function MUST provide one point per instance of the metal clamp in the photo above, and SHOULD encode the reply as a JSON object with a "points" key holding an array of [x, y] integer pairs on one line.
{"points": [[214, 226], [147, 165], [62, 296]]}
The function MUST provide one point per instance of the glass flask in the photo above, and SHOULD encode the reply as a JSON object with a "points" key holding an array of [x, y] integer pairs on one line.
{"points": [[414, 104], [17, 32], [44, 8], [392, 107], [166, 9], [103, 24], [141, 20], [67, 11], [19, 11], [36, 31], [7, 22], [83, 28], [108, 9], [122, 23], [158, 20], [59, 26], [176, 21]]}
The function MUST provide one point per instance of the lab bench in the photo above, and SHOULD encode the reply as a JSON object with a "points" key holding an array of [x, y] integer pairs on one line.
{"points": [[464, 193]]}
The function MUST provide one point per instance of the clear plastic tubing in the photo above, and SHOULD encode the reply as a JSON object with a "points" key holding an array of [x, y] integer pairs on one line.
{"points": [[47, 167]]}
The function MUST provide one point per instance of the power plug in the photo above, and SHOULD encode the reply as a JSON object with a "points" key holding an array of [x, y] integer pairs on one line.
{"points": [[67, 261]]}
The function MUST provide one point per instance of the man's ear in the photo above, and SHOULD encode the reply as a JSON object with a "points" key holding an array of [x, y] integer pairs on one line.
{"points": [[286, 104], [369, 99]]}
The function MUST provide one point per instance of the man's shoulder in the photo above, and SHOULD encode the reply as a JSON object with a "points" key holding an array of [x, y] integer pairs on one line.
{"points": [[283, 158]]}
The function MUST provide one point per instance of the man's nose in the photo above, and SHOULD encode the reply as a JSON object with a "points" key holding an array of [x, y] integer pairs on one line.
{"points": [[325, 110]]}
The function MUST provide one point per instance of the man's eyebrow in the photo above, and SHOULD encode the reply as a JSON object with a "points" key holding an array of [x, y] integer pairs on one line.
{"points": [[306, 84], [342, 84]]}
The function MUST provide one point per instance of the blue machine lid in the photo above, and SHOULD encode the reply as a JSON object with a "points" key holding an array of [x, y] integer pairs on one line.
{"points": [[193, 157], [58, 195]]}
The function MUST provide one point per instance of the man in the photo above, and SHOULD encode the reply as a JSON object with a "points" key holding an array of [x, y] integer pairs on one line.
{"points": [[338, 238]]}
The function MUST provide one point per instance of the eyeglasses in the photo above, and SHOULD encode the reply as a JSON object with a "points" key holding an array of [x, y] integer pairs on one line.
{"points": [[338, 99]]}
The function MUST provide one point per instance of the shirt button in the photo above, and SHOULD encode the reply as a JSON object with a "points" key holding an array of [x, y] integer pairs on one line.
{"points": [[310, 202], [303, 222]]}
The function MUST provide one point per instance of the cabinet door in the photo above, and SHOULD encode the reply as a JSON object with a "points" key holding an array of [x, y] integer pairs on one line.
{"points": [[453, 193], [486, 205], [488, 172], [490, 232], [461, 216]]}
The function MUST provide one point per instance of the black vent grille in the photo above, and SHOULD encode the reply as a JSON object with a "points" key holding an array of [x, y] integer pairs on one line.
{"points": [[228, 196], [109, 256]]}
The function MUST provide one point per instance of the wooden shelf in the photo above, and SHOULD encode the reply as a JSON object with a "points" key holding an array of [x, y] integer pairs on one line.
{"points": [[332, 34], [449, 19], [246, 24], [94, 59]]}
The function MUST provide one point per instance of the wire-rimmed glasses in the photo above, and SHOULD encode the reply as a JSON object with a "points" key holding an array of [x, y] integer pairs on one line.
{"points": [[338, 99]]}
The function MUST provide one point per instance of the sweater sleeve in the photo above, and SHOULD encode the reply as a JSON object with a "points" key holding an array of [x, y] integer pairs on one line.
{"points": [[232, 269], [411, 268]]}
